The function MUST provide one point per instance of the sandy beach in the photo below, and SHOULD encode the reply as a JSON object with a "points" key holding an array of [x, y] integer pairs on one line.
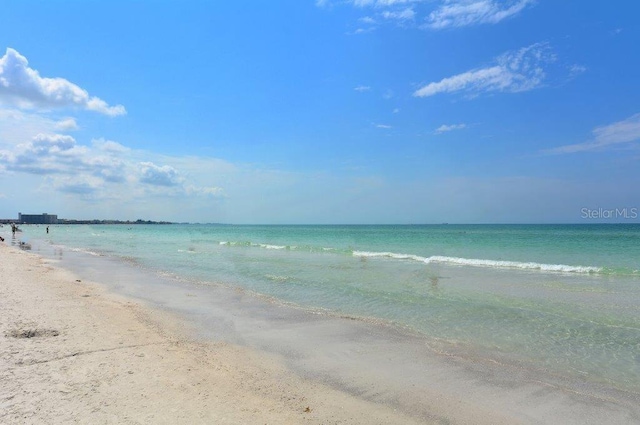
{"points": [[88, 340], [73, 352]]}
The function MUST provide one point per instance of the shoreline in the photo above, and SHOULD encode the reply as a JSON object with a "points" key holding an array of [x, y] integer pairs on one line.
{"points": [[263, 365], [95, 357], [74, 352]]}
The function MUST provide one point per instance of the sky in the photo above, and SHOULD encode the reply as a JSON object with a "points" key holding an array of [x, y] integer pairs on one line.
{"points": [[321, 111]]}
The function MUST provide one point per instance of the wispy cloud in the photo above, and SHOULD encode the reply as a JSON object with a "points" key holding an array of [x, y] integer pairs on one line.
{"points": [[361, 31], [382, 3], [575, 70], [445, 128], [383, 126], [24, 87], [460, 13], [367, 20], [616, 134], [516, 71], [425, 15], [401, 15], [362, 88]]}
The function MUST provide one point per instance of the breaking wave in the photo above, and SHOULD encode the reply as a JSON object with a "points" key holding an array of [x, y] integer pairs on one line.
{"points": [[499, 264]]}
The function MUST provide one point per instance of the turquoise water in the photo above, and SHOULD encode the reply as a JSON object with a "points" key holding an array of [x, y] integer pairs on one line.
{"points": [[560, 298]]}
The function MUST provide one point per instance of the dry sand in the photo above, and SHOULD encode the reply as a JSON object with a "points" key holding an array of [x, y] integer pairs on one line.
{"points": [[72, 352]]}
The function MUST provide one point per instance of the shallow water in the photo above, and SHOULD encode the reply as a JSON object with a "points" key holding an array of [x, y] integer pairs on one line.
{"points": [[561, 298]]}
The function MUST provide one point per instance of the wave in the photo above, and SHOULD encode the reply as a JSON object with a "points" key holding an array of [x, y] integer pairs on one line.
{"points": [[86, 251], [259, 245], [305, 248], [439, 259], [499, 264]]}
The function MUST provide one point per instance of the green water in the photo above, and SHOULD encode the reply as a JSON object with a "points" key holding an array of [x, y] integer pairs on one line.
{"points": [[565, 298]]}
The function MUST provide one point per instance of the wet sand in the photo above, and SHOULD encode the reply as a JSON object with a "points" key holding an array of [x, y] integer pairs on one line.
{"points": [[72, 352], [75, 351]]}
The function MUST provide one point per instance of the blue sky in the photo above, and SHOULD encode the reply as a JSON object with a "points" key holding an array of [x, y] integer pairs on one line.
{"points": [[354, 111]]}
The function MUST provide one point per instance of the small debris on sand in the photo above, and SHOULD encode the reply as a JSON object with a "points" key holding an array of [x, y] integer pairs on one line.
{"points": [[32, 333]]}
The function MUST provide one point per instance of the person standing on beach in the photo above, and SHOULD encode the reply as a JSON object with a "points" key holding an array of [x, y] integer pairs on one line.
{"points": [[47, 230]]}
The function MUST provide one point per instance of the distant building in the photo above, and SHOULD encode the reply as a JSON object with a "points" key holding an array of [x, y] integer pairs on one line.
{"points": [[37, 218]]}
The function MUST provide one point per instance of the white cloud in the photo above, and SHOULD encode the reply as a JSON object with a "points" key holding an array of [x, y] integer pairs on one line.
{"points": [[492, 78], [402, 15], [361, 31], [362, 88], [16, 126], [54, 142], [381, 3], [109, 146], [367, 20], [619, 133], [105, 179], [460, 13], [49, 154], [445, 128], [624, 131], [444, 14], [67, 124], [517, 71], [383, 126], [155, 175], [99, 171], [24, 87]]}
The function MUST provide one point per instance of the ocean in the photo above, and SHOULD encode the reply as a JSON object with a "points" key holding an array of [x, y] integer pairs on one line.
{"points": [[564, 299]]}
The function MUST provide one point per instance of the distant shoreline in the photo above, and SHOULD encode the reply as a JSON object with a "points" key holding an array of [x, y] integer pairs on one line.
{"points": [[69, 221], [139, 221], [65, 221]]}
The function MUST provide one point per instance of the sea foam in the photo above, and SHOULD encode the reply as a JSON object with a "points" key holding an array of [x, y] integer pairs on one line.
{"points": [[499, 264]]}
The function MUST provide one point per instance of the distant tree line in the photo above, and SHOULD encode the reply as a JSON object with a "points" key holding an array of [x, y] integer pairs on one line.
{"points": [[138, 221]]}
